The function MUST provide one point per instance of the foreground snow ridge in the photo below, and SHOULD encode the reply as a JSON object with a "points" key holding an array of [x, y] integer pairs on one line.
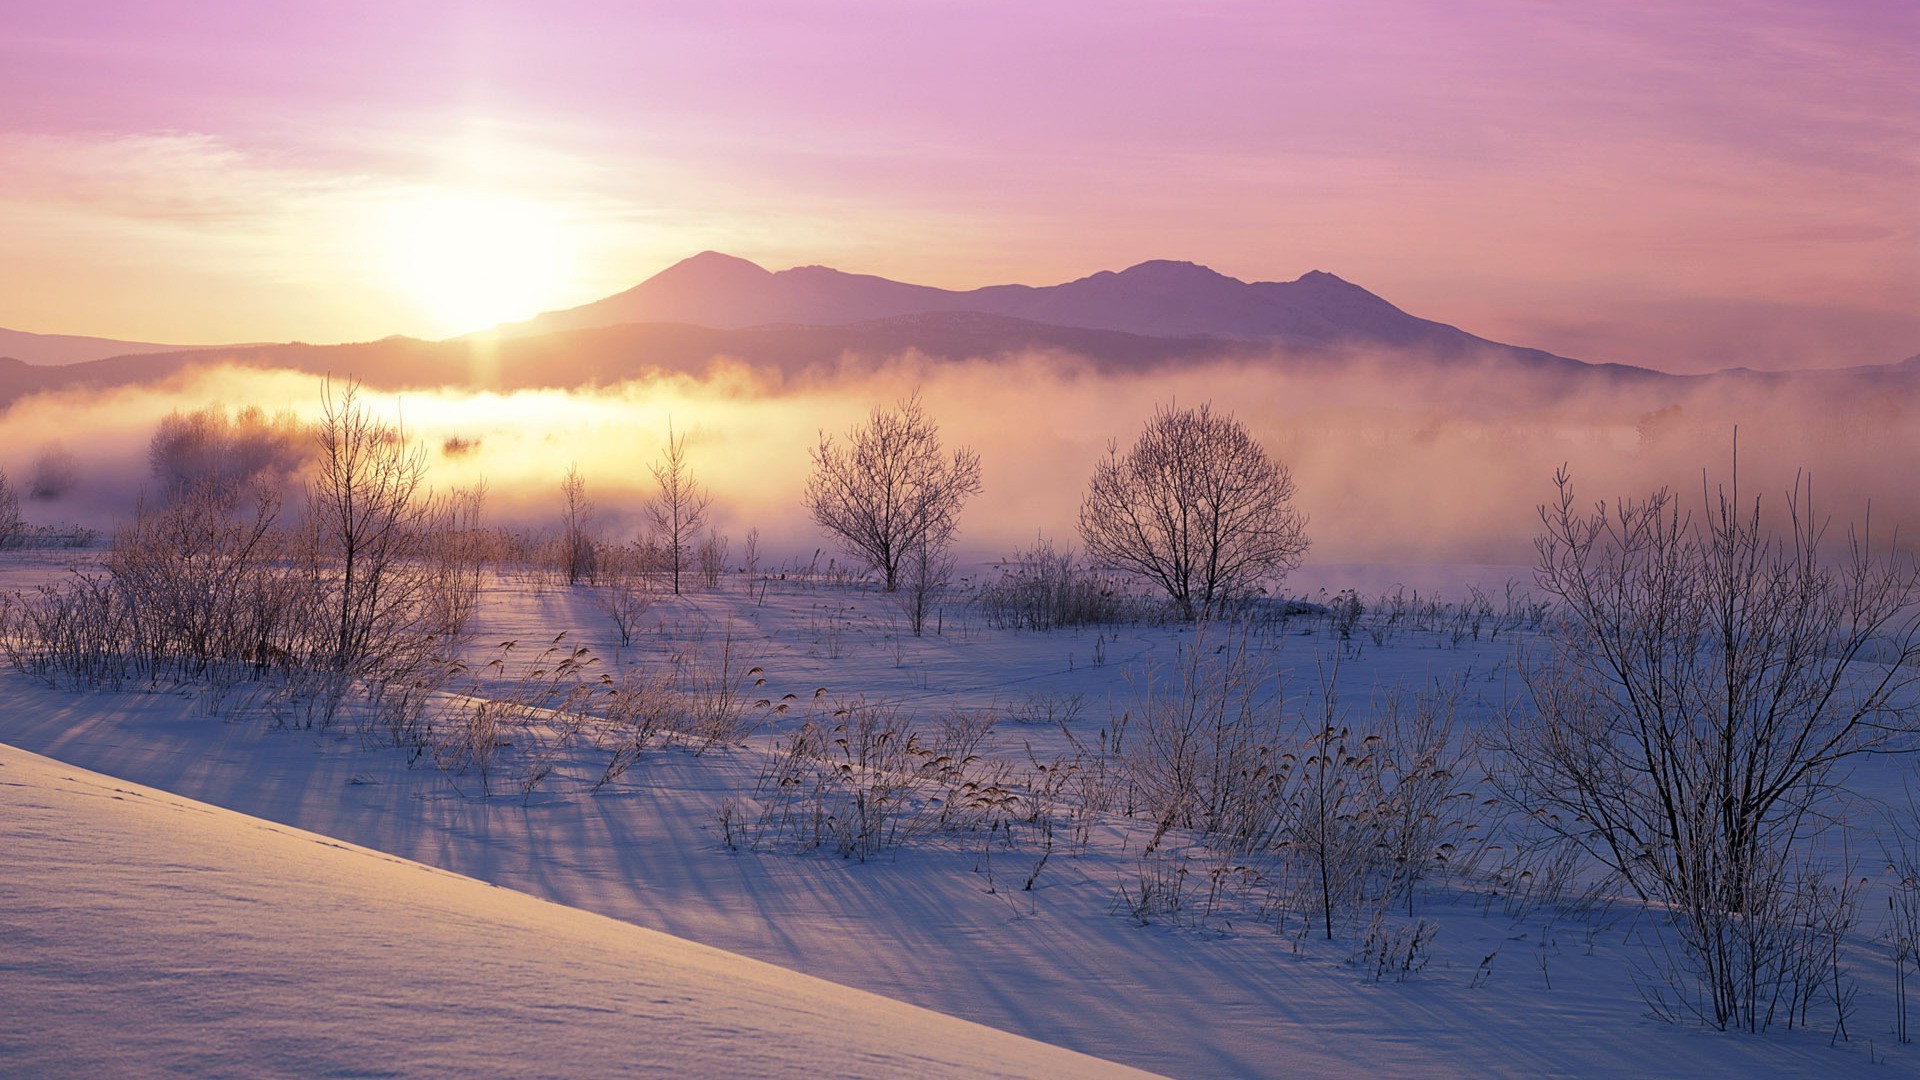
{"points": [[148, 933]]}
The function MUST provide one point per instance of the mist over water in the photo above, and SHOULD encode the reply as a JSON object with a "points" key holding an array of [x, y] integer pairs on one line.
{"points": [[1396, 464]]}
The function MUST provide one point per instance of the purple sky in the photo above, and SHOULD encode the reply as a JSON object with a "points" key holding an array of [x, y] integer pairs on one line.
{"points": [[1688, 186]]}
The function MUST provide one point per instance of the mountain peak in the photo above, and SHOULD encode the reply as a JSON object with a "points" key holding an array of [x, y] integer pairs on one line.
{"points": [[1173, 270], [715, 264]]}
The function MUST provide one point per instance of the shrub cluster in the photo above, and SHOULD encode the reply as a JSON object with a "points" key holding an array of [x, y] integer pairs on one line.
{"points": [[1041, 588], [1325, 817], [373, 584]]}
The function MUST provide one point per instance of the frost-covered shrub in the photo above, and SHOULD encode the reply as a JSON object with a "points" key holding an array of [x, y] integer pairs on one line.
{"points": [[1329, 817], [206, 587], [718, 684], [868, 780], [624, 591], [1204, 739], [713, 559], [13, 527], [210, 448], [1041, 588], [197, 590], [73, 632], [1698, 695], [54, 474]]}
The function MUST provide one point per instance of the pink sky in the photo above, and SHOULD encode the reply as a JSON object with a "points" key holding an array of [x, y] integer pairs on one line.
{"points": [[1713, 185]]}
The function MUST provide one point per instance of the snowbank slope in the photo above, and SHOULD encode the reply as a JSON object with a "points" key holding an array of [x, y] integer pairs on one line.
{"points": [[148, 933]]}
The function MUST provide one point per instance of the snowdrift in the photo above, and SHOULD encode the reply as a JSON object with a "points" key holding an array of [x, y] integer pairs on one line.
{"points": [[147, 933]]}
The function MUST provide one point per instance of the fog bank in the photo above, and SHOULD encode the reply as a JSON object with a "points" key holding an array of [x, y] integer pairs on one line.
{"points": [[1395, 463]]}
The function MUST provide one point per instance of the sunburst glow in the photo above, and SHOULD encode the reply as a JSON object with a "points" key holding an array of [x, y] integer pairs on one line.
{"points": [[472, 259]]}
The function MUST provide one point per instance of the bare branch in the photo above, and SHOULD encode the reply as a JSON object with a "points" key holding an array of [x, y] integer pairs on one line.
{"points": [[1197, 508]]}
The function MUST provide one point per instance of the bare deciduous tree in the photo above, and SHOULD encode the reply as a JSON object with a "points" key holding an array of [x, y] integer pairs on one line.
{"points": [[1196, 507], [210, 447], [54, 473], [679, 512], [889, 492], [924, 575], [456, 549], [1702, 684], [576, 521], [13, 527], [714, 548], [369, 516]]}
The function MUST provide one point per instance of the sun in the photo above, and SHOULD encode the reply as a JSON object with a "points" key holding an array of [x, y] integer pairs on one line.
{"points": [[466, 260]]}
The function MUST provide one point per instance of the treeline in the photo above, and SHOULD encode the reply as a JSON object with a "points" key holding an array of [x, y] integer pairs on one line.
{"points": [[372, 577]]}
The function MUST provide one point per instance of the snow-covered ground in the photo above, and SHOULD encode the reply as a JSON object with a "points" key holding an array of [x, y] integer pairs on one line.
{"points": [[1510, 989], [148, 934]]}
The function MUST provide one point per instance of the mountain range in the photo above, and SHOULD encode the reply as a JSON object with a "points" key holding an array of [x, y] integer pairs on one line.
{"points": [[1160, 299], [816, 318]]}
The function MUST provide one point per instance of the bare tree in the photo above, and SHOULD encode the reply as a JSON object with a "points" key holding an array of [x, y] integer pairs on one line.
{"points": [[576, 520], [369, 515], [888, 492], [54, 473], [1196, 507], [679, 512], [456, 549], [924, 575], [13, 527], [1702, 685], [210, 447], [713, 558]]}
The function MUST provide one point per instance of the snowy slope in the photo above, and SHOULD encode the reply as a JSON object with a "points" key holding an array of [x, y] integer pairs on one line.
{"points": [[1538, 992], [145, 933]]}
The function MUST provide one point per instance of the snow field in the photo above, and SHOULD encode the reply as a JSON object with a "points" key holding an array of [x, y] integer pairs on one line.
{"points": [[1508, 988]]}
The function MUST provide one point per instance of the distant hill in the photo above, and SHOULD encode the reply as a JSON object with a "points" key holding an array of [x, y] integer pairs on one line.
{"points": [[611, 354], [1159, 299], [817, 321], [51, 349]]}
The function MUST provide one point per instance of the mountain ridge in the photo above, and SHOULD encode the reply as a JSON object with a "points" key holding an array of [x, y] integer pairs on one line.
{"points": [[812, 317], [611, 354], [1163, 298], [54, 350]]}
